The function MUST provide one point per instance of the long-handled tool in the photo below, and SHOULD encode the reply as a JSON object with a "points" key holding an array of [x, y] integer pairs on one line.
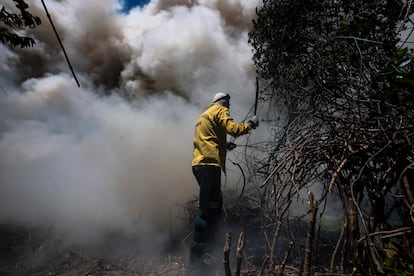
{"points": [[60, 43], [257, 96]]}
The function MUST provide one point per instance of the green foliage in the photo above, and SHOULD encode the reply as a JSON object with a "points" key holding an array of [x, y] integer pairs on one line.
{"points": [[399, 259], [12, 22], [398, 77], [397, 67], [328, 42]]}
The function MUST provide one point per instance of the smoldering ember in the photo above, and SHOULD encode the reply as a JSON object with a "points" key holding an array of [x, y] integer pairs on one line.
{"points": [[99, 101]]}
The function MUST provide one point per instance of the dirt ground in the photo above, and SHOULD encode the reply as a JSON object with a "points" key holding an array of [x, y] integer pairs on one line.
{"points": [[26, 251]]}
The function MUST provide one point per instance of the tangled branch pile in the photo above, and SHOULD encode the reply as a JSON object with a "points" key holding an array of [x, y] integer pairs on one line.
{"points": [[339, 94]]}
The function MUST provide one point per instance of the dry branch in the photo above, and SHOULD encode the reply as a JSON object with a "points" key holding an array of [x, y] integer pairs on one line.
{"points": [[307, 264], [227, 249], [240, 247]]}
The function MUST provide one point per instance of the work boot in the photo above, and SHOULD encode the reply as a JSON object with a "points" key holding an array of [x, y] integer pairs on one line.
{"points": [[196, 255]]}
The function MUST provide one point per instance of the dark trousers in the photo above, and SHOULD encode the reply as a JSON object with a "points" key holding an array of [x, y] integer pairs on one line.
{"points": [[209, 209]]}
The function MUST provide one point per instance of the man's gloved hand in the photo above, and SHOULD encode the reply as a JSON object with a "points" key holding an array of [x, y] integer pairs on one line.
{"points": [[253, 121], [231, 146]]}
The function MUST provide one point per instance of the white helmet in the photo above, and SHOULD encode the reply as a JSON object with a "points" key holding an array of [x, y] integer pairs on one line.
{"points": [[219, 96]]}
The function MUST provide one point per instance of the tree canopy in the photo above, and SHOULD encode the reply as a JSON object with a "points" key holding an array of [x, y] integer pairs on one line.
{"points": [[13, 22]]}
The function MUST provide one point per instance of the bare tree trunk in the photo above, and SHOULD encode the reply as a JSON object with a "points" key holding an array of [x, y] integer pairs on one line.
{"points": [[338, 245], [283, 264], [282, 204], [307, 264], [353, 229], [273, 247]]}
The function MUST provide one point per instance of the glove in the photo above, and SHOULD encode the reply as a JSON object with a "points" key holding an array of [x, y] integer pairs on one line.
{"points": [[253, 121], [231, 146]]}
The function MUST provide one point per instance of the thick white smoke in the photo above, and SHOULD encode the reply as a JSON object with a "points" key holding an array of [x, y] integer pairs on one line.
{"points": [[116, 153]]}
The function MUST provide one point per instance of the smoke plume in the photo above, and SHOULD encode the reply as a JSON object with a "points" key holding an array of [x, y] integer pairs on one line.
{"points": [[115, 154]]}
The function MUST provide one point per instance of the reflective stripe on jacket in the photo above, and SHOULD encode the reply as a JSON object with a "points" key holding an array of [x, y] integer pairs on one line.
{"points": [[210, 143]]}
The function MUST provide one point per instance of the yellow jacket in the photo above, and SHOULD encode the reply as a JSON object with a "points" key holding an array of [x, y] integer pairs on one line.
{"points": [[210, 143]]}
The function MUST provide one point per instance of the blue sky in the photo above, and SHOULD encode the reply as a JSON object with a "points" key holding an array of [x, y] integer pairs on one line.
{"points": [[129, 4]]}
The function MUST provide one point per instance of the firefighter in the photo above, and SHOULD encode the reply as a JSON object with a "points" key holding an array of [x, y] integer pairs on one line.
{"points": [[209, 156]]}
